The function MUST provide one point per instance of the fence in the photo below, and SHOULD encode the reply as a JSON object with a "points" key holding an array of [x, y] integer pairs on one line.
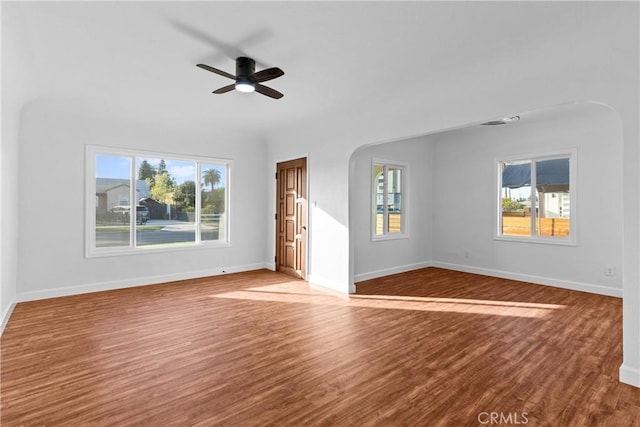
{"points": [[513, 224], [394, 223], [521, 226]]}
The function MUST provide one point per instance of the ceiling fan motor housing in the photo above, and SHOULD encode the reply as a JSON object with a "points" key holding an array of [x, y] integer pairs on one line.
{"points": [[245, 67]]}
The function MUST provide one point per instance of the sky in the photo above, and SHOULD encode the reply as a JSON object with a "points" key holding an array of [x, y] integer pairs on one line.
{"points": [[180, 170]]}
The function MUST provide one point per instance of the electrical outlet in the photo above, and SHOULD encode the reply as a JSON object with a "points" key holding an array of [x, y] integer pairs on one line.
{"points": [[467, 253], [609, 271]]}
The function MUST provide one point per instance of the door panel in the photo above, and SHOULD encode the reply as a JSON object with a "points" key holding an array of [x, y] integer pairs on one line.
{"points": [[291, 217]]}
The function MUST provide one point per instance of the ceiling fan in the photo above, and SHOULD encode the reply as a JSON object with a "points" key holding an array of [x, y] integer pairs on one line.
{"points": [[247, 80]]}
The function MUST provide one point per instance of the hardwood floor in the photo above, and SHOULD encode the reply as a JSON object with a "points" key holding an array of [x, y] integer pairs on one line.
{"points": [[430, 347]]}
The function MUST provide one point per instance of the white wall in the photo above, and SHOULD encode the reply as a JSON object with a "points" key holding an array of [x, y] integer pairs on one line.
{"points": [[8, 218], [51, 258], [596, 58], [379, 258], [17, 88], [464, 199]]}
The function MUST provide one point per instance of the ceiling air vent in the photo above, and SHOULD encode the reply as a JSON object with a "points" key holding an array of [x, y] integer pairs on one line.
{"points": [[502, 121]]}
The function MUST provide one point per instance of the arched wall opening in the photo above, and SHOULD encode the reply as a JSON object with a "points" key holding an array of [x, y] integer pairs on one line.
{"points": [[451, 197]]}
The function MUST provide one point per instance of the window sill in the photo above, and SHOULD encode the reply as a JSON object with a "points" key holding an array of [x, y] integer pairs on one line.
{"points": [[537, 240], [141, 250], [386, 237]]}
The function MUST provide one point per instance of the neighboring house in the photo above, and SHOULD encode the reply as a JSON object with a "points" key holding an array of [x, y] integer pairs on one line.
{"points": [[556, 205], [111, 192]]}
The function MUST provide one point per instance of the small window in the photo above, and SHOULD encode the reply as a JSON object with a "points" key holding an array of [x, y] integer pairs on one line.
{"points": [[140, 201], [389, 200], [537, 198]]}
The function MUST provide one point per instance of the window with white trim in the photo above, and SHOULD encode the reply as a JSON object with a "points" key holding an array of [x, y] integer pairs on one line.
{"points": [[389, 200], [536, 198], [138, 201]]}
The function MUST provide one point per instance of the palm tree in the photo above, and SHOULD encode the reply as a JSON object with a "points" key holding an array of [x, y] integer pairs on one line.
{"points": [[211, 176]]}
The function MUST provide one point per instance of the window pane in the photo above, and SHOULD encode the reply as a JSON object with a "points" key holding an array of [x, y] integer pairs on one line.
{"points": [[154, 201], [394, 199], [516, 198], [378, 180], [213, 215], [113, 207], [552, 197], [166, 196]]}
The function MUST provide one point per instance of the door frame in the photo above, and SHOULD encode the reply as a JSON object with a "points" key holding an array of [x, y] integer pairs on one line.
{"points": [[307, 213]]}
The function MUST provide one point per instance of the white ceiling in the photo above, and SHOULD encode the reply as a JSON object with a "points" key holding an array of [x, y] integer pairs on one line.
{"points": [[138, 59]]}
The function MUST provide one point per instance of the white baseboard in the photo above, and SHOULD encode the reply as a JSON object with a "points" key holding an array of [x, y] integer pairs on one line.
{"points": [[319, 282], [133, 282], [389, 271], [565, 284], [629, 375], [5, 317], [330, 291]]}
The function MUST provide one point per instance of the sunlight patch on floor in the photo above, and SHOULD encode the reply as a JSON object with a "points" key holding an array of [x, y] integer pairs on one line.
{"points": [[295, 292]]}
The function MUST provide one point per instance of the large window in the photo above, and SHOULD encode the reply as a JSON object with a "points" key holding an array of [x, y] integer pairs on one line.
{"points": [[536, 198], [139, 201], [389, 200]]}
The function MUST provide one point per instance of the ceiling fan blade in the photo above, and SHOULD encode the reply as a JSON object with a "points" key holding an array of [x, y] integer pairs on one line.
{"points": [[225, 89], [215, 70], [268, 91], [268, 74]]}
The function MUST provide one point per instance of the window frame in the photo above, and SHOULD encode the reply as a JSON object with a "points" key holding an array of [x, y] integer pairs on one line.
{"points": [[404, 201], [92, 251], [572, 155]]}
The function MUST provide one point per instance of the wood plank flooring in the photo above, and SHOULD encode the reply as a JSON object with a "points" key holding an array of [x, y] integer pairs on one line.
{"points": [[430, 347]]}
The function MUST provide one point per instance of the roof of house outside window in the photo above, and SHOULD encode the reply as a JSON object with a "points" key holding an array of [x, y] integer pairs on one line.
{"points": [[105, 184]]}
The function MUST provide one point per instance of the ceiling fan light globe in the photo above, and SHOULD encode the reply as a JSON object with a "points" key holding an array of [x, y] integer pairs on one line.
{"points": [[245, 87]]}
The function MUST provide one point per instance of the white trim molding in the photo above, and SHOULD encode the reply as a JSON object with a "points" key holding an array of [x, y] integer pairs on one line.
{"points": [[322, 283], [404, 200], [392, 270], [133, 282], [5, 317], [529, 278], [629, 375], [538, 280], [131, 247], [572, 156]]}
